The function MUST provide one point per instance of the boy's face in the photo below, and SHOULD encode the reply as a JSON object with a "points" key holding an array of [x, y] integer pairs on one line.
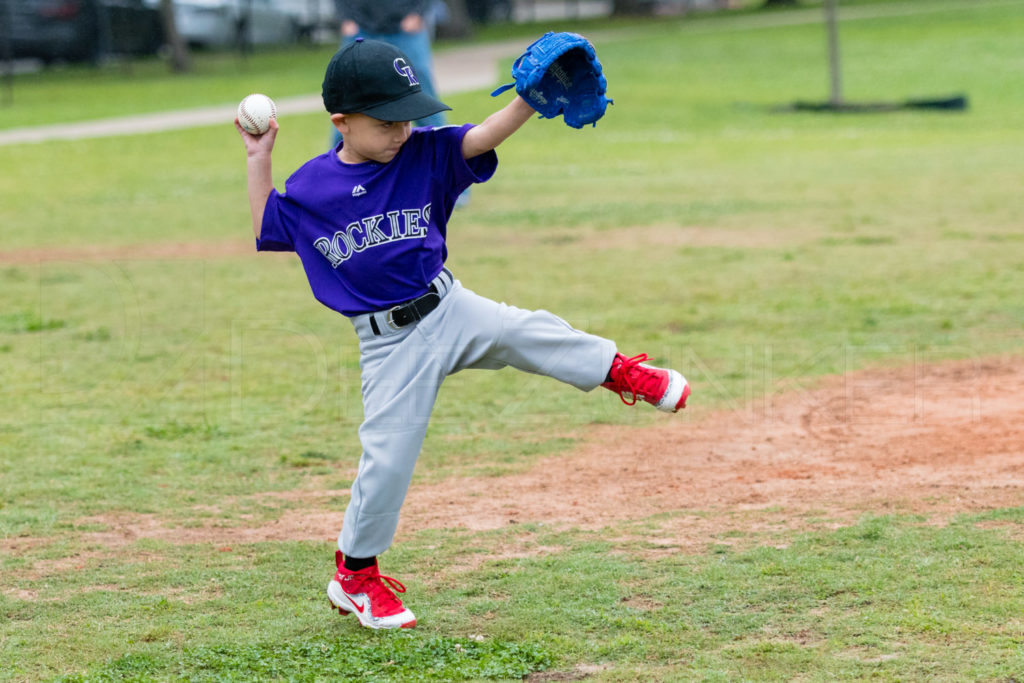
{"points": [[370, 139]]}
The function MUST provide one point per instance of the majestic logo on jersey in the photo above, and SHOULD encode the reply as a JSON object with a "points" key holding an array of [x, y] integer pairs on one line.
{"points": [[404, 69], [374, 231], [358, 191]]}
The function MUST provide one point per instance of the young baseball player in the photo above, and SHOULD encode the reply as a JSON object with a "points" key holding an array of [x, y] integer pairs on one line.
{"points": [[368, 220]]}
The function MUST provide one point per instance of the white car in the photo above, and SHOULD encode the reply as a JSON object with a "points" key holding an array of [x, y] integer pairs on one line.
{"points": [[225, 23]]}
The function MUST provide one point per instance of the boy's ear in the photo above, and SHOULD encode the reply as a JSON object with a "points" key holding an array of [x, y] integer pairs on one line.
{"points": [[340, 122]]}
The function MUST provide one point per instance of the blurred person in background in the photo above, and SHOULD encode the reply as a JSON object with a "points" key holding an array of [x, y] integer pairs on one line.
{"points": [[406, 24]]}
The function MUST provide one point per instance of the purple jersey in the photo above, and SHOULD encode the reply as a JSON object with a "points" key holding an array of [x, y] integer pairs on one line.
{"points": [[372, 235]]}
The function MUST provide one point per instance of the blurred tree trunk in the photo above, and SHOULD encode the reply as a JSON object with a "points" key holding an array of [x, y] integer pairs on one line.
{"points": [[180, 59], [834, 69], [8, 51]]}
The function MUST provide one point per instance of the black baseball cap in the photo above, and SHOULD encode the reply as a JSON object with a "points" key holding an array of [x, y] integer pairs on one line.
{"points": [[376, 78]]}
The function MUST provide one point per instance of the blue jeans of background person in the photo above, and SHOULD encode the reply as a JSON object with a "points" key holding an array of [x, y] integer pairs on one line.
{"points": [[416, 47]]}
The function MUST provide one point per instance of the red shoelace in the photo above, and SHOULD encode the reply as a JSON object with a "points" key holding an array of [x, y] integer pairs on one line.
{"points": [[373, 584], [638, 382]]}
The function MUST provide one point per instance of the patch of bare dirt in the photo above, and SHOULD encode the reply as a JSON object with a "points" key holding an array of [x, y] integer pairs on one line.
{"points": [[124, 529], [689, 236], [150, 251], [19, 594], [929, 439], [292, 525], [581, 672], [932, 439], [658, 236]]}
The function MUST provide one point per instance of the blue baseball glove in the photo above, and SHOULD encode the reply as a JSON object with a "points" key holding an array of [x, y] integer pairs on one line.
{"points": [[559, 75]]}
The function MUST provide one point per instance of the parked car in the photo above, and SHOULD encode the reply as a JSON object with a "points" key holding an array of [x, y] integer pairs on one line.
{"points": [[76, 30], [225, 23]]}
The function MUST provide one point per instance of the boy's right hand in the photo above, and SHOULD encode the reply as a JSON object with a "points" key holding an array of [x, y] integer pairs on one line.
{"points": [[257, 163], [256, 145]]}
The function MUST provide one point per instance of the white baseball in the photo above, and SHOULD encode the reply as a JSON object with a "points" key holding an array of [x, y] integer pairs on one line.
{"points": [[255, 112]]}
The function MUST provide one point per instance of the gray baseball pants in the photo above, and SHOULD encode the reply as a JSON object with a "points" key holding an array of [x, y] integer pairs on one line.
{"points": [[402, 371]]}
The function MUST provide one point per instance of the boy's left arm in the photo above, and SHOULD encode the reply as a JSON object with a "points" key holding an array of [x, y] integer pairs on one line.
{"points": [[496, 128]]}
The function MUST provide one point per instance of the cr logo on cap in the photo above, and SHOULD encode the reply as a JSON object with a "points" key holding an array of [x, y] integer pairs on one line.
{"points": [[404, 69]]}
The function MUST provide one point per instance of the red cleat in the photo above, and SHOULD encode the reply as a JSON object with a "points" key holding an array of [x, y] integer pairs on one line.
{"points": [[633, 380], [370, 596]]}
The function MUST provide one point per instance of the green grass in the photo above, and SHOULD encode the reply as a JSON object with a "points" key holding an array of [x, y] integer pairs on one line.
{"points": [[77, 92], [395, 656], [888, 597], [752, 249]]}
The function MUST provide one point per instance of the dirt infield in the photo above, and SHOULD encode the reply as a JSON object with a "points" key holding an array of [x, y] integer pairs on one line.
{"points": [[929, 439], [149, 251]]}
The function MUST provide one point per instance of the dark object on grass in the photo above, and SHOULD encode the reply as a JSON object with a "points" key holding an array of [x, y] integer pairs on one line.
{"points": [[836, 103], [952, 103]]}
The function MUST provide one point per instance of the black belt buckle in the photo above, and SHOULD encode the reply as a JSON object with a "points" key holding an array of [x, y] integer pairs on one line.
{"points": [[408, 312], [398, 315], [412, 311]]}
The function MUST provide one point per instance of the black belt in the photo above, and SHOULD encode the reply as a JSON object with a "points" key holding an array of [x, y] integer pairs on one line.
{"points": [[409, 312]]}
